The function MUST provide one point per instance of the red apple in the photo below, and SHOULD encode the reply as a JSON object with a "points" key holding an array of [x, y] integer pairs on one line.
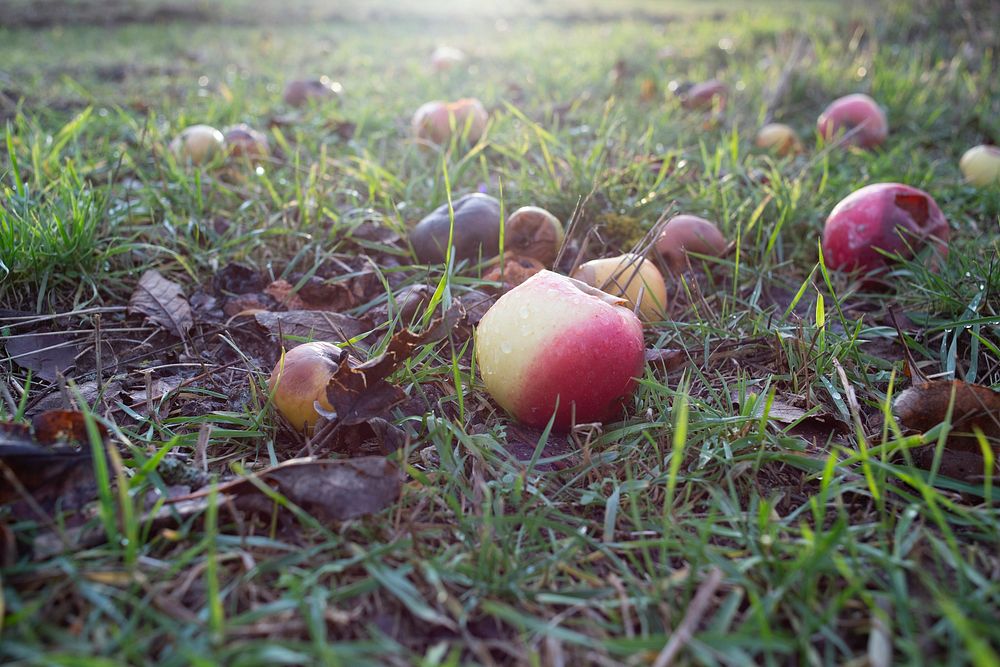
{"points": [[705, 96], [554, 345], [857, 115], [197, 144], [895, 218], [244, 141], [299, 380], [981, 165], [689, 233], [779, 138], [445, 57]]}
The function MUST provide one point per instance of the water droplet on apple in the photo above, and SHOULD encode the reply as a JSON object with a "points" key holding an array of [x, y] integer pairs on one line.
{"points": [[505, 347], [524, 313]]}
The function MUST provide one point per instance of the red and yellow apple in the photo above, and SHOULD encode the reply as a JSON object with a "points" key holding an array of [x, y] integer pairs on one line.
{"points": [[778, 138], [981, 165], [556, 346], [630, 277], [434, 122], [890, 217], [857, 117], [689, 233], [533, 232], [197, 144], [242, 141], [299, 380]]}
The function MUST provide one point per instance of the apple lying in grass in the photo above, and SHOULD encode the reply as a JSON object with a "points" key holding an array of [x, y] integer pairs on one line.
{"points": [[857, 117], [197, 144], [242, 141], [533, 232], [981, 166], [778, 138], [445, 57], [476, 231], [299, 380], [554, 345], [685, 234], [630, 277], [706, 96], [301, 92], [891, 217], [433, 121]]}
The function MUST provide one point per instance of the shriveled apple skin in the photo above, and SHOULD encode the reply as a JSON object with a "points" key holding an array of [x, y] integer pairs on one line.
{"points": [[546, 342], [887, 216]]}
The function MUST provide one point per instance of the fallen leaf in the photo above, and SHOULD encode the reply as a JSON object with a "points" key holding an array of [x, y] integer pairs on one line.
{"points": [[47, 355], [313, 324], [665, 360], [53, 426], [89, 392], [359, 392], [162, 302], [521, 442]]}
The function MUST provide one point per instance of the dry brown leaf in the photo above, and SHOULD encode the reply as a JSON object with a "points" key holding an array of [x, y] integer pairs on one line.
{"points": [[162, 302], [313, 324], [360, 392], [47, 355]]}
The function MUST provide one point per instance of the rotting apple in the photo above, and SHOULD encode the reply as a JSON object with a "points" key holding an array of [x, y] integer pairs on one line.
{"points": [[779, 138], [513, 270], [706, 96], [533, 232], [981, 165], [197, 144], [300, 92], [476, 232], [685, 234], [445, 57], [631, 277], [242, 141], [433, 121], [554, 346], [299, 379], [890, 217], [858, 118]]}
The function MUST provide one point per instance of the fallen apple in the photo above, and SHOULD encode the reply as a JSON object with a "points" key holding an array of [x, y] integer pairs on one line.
{"points": [[981, 165], [779, 138], [476, 233], [197, 144], [242, 141], [434, 121], [533, 232], [299, 380], [556, 346], [300, 92], [685, 234], [890, 217], [706, 96], [857, 117], [631, 277], [445, 57], [513, 270]]}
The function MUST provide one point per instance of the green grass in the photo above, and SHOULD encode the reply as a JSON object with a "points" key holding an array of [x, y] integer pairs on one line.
{"points": [[830, 552]]}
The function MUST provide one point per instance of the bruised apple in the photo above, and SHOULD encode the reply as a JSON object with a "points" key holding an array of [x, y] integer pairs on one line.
{"points": [[685, 234], [890, 217], [299, 380], [556, 346], [533, 232], [981, 166], [434, 122], [476, 231], [858, 117], [778, 138], [630, 277], [197, 144]]}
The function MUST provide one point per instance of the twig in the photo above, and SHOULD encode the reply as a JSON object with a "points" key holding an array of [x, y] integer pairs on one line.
{"points": [[695, 612], [798, 50]]}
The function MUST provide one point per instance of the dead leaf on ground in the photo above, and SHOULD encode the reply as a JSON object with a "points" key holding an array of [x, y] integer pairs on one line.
{"points": [[522, 441], [360, 392], [89, 391], [162, 302], [313, 324], [924, 406], [315, 294], [335, 490], [47, 355], [666, 360]]}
